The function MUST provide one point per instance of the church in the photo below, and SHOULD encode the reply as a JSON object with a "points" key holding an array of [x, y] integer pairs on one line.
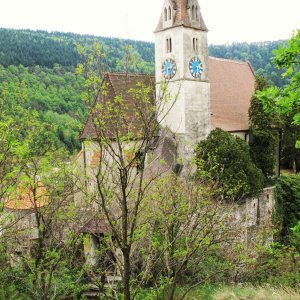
{"points": [[210, 92]]}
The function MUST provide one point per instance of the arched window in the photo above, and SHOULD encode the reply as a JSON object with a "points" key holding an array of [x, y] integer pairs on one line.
{"points": [[195, 45], [166, 14], [196, 12], [170, 13], [169, 45], [193, 12]]}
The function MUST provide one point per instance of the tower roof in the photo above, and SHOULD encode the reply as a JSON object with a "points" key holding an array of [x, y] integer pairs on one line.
{"points": [[183, 16]]}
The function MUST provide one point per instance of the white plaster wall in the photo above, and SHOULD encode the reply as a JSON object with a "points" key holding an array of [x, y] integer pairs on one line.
{"points": [[172, 107], [242, 135], [197, 109], [190, 114], [109, 165]]}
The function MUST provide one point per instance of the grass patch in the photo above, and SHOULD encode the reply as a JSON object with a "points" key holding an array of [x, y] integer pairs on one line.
{"points": [[226, 292], [243, 292]]}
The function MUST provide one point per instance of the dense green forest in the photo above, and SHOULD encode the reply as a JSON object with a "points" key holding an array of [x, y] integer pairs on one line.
{"points": [[41, 65], [31, 48], [52, 95]]}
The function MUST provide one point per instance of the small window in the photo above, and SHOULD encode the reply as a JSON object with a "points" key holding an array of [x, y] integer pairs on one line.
{"points": [[197, 13], [170, 13], [169, 45], [166, 14], [195, 45]]}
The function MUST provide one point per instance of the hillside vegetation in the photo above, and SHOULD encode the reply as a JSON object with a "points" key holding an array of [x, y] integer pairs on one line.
{"points": [[41, 66], [42, 48], [64, 234], [31, 48]]}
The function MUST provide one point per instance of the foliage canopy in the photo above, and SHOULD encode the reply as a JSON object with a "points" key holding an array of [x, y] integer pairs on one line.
{"points": [[224, 161], [263, 135], [288, 205], [286, 100]]}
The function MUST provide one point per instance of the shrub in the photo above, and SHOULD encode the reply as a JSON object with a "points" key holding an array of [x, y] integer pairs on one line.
{"points": [[223, 161], [276, 265], [288, 205], [264, 138]]}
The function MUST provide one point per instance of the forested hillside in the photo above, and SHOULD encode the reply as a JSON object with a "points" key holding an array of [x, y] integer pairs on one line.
{"points": [[40, 66], [31, 48], [51, 95]]}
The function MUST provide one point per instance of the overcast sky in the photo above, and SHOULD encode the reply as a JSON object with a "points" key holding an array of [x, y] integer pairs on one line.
{"points": [[228, 20]]}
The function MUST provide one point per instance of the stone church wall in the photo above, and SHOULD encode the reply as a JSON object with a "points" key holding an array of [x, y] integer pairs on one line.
{"points": [[254, 217]]}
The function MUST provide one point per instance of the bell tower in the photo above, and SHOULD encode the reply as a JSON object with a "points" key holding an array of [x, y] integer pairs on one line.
{"points": [[181, 60]]}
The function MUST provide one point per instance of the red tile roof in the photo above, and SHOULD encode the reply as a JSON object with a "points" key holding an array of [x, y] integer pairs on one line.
{"points": [[120, 85], [24, 199], [232, 86]]}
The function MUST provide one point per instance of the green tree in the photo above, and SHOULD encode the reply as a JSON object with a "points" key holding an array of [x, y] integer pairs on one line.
{"points": [[51, 95], [224, 162], [285, 100], [288, 205], [43, 230], [290, 156], [264, 136], [92, 67], [28, 153], [187, 226]]}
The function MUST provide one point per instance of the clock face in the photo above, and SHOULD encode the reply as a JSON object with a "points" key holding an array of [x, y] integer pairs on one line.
{"points": [[169, 68], [196, 67]]}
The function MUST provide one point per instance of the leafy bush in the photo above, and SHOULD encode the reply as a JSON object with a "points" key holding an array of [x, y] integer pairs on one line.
{"points": [[20, 280], [264, 137], [224, 162], [276, 265], [288, 205]]}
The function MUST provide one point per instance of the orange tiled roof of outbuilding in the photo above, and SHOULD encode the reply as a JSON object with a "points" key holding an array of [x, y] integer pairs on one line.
{"points": [[24, 199]]}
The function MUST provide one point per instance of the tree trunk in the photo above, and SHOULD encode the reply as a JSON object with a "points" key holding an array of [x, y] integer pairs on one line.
{"points": [[297, 163], [171, 290], [126, 275]]}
